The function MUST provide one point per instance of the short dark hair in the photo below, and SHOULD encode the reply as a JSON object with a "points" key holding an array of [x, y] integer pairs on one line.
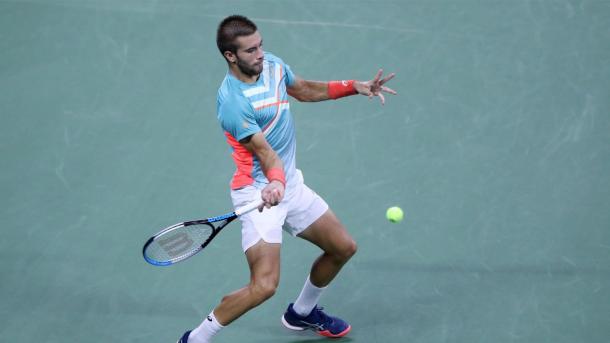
{"points": [[229, 29]]}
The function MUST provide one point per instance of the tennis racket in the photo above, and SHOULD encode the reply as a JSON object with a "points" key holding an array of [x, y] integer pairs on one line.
{"points": [[182, 240]]}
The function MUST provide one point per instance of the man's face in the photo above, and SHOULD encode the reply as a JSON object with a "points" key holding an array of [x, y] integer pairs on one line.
{"points": [[249, 57]]}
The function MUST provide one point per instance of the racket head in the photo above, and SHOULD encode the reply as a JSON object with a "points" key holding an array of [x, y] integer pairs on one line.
{"points": [[178, 242]]}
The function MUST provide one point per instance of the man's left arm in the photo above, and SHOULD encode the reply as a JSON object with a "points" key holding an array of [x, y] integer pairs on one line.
{"points": [[311, 91]]}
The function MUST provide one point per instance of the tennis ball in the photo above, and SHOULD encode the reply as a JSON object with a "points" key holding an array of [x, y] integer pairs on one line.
{"points": [[394, 214]]}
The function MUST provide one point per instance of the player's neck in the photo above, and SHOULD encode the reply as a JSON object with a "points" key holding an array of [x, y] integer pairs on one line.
{"points": [[234, 70]]}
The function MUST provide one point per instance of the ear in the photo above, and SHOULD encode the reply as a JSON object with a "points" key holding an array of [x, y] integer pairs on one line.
{"points": [[230, 56]]}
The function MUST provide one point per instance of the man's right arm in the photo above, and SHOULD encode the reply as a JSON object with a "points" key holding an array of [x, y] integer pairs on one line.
{"points": [[271, 165]]}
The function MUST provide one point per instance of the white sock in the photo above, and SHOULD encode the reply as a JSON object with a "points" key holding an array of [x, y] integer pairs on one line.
{"points": [[206, 330], [308, 299]]}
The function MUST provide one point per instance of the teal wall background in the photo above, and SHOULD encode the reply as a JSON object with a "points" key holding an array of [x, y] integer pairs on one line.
{"points": [[497, 147]]}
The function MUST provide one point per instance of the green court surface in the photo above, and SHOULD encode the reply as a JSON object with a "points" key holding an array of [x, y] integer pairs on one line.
{"points": [[497, 147]]}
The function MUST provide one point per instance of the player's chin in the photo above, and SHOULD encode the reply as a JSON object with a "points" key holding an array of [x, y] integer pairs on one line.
{"points": [[253, 70], [258, 68]]}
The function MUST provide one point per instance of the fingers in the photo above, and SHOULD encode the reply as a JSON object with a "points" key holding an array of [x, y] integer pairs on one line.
{"points": [[388, 90], [387, 78], [378, 76], [375, 87], [380, 94], [271, 195]]}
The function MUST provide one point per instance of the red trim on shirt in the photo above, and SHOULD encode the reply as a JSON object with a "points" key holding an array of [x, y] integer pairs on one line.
{"points": [[244, 162]]}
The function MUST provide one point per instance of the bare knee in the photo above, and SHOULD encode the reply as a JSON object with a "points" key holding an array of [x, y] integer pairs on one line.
{"points": [[346, 250], [263, 288], [350, 249]]}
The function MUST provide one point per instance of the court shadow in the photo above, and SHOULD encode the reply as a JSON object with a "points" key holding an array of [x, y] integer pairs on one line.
{"points": [[319, 340], [308, 336]]}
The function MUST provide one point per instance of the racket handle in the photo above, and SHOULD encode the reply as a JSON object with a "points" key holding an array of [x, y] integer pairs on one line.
{"points": [[247, 208]]}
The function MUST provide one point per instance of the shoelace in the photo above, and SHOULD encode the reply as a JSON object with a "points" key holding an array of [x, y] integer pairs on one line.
{"points": [[323, 316]]}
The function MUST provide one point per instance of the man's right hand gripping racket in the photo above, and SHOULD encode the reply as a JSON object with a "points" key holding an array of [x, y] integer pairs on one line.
{"points": [[182, 240]]}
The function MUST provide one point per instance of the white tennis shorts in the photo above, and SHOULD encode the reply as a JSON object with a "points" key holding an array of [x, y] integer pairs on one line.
{"points": [[300, 207]]}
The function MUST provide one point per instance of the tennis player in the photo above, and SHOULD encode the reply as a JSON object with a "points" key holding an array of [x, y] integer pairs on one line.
{"points": [[254, 113]]}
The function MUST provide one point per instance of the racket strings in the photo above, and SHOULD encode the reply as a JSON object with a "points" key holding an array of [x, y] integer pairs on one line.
{"points": [[179, 243]]}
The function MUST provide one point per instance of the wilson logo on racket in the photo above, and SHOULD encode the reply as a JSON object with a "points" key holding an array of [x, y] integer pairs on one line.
{"points": [[177, 244]]}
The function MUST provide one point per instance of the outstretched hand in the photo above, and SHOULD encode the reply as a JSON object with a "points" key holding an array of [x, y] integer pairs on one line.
{"points": [[375, 87]]}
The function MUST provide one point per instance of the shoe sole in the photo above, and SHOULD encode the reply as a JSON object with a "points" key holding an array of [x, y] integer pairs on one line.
{"points": [[327, 333], [291, 327]]}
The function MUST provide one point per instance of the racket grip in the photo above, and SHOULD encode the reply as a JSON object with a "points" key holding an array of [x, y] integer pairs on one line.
{"points": [[247, 208]]}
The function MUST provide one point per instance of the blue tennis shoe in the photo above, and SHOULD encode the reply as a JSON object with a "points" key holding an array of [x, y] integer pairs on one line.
{"points": [[318, 321]]}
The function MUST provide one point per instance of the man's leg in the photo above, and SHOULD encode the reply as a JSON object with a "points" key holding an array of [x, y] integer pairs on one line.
{"points": [[264, 262], [338, 247]]}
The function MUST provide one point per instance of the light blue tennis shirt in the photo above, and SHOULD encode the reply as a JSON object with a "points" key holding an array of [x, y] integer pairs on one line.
{"points": [[244, 109]]}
